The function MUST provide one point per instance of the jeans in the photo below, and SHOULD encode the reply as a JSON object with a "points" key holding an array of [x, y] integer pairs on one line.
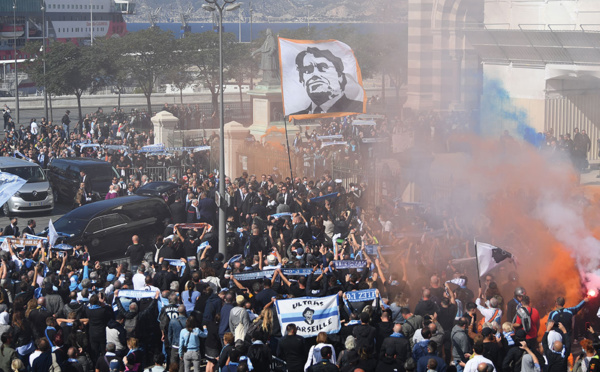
{"points": [[191, 357], [175, 358], [458, 366]]}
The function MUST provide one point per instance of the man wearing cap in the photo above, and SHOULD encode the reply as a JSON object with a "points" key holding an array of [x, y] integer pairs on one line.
{"points": [[239, 316]]}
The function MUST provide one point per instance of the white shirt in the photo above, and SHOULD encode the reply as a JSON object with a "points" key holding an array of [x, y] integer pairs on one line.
{"points": [[139, 281], [488, 312], [34, 128], [472, 364]]}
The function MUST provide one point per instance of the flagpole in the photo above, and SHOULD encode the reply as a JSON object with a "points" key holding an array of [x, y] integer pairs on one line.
{"points": [[477, 261]]}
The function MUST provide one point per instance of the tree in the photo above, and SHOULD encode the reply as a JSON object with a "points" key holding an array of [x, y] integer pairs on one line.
{"points": [[149, 55], [114, 64], [70, 69], [240, 68], [202, 51]]}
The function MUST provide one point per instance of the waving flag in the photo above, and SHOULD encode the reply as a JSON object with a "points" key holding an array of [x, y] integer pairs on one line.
{"points": [[311, 315], [489, 257], [9, 185], [320, 79], [52, 234]]}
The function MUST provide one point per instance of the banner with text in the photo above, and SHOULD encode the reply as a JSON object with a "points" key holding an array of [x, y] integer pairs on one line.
{"points": [[311, 315]]}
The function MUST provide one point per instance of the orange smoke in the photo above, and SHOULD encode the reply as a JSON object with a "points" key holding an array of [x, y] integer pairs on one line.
{"points": [[513, 185]]}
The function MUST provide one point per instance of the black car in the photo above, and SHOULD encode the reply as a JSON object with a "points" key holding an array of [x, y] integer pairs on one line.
{"points": [[157, 188], [107, 226], [64, 177]]}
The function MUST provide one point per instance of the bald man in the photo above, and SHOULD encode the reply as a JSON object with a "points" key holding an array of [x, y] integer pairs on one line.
{"points": [[38, 317], [426, 305], [558, 355]]}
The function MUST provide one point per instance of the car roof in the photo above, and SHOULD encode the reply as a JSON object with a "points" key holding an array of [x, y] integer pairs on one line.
{"points": [[159, 186], [79, 160], [90, 210], [14, 162]]}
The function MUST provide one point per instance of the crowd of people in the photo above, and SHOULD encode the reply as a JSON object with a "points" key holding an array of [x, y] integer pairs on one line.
{"points": [[181, 305]]}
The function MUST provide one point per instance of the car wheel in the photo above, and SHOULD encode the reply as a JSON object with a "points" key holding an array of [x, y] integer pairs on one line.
{"points": [[6, 210]]}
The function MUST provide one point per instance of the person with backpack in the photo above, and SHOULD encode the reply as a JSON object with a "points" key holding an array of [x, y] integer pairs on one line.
{"points": [[566, 315], [491, 311], [461, 344], [528, 318]]}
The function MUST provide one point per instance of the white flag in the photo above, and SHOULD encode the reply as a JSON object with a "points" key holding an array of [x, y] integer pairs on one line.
{"points": [[9, 185], [311, 315], [489, 257], [320, 78], [52, 234]]}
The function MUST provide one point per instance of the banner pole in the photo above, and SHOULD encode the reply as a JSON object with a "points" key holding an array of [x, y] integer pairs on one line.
{"points": [[287, 142], [477, 261]]}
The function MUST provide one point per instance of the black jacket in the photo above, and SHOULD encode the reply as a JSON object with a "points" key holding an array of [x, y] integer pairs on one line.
{"points": [[178, 212], [400, 345], [365, 336], [557, 362], [292, 350], [323, 366]]}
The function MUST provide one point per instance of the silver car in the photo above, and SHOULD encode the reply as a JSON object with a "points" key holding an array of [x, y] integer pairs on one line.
{"points": [[34, 196]]}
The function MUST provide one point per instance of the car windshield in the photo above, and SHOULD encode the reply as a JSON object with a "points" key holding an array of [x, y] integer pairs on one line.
{"points": [[31, 174], [70, 226], [102, 174]]}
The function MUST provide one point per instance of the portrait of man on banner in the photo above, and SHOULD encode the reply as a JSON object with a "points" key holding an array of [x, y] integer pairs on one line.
{"points": [[320, 79]]}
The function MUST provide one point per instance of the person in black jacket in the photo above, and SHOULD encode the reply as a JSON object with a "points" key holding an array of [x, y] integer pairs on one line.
{"points": [[291, 349], [398, 343], [178, 213], [98, 313], [558, 355], [135, 252], [259, 353], [364, 333], [12, 229]]}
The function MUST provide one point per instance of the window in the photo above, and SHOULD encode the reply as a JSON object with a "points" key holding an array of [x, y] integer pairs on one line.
{"points": [[94, 226], [113, 220]]}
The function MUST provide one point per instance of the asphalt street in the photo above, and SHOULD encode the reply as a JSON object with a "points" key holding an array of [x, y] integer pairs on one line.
{"points": [[41, 219]]}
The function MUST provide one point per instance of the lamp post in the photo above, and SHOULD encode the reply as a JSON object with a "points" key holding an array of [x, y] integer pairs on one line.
{"points": [[15, 52], [91, 24], [44, 36], [220, 6]]}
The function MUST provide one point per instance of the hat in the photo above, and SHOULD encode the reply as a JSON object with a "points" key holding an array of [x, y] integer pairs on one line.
{"points": [[272, 259], [110, 277], [299, 253], [486, 332], [239, 299], [219, 257]]}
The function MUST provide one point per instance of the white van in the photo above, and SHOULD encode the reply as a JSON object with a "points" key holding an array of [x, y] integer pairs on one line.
{"points": [[35, 195]]}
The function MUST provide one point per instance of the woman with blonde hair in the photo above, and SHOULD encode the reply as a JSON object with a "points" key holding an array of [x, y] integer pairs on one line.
{"points": [[314, 354], [17, 366]]}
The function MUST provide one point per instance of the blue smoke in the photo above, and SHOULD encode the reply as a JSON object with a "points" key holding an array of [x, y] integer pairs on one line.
{"points": [[499, 113]]}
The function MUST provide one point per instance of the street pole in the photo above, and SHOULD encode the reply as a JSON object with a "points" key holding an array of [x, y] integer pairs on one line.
{"points": [[44, 58], [91, 24], [16, 63], [251, 23], [213, 5]]}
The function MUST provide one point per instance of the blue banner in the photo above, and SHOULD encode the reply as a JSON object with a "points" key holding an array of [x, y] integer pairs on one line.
{"points": [[350, 264], [174, 262], [132, 293], [280, 215], [254, 275], [358, 296], [324, 197], [152, 148]]}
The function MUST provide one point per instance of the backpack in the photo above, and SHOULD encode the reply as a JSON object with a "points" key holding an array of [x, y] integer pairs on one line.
{"points": [[54, 367], [563, 316], [481, 321], [523, 313]]}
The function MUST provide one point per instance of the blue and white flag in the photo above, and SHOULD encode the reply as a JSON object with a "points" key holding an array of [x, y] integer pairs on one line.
{"points": [[280, 215], [350, 264], [174, 262], [152, 148], [235, 258], [359, 296], [202, 246], [254, 275], [29, 236], [311, 315], [52, 235], [318, 199], [9, 185], [132, 293]]}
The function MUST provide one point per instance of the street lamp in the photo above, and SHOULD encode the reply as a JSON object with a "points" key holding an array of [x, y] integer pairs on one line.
{"points": [[220, 6], [44, 36], [15, 52]]}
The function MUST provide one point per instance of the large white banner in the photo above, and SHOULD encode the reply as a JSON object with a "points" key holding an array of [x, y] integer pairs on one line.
{"points": [[9, 185], [320, 79], [311, 315]]}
